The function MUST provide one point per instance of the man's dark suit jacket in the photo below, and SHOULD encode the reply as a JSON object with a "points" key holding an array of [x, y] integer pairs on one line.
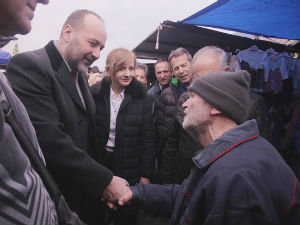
{"points": [[65, 129]]}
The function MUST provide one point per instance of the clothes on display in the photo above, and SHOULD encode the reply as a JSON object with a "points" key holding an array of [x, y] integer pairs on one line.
{"points": [[276, 68], [275, 77]]}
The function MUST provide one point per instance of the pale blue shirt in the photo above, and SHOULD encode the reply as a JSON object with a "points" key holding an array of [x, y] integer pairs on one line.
{"points": [[279, 61], [115, 103], [256, 58]]}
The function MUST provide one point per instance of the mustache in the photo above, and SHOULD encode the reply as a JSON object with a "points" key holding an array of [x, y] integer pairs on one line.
{"points": [[90, 58]]}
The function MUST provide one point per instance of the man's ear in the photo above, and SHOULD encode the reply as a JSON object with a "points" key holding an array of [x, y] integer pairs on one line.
{"points": [[214, 111], [67, 33], [227, 69]]}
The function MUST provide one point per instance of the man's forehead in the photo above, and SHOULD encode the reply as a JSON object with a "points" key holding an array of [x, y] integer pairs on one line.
{"points": [[180, 57], [140, 71], [164, 63]]}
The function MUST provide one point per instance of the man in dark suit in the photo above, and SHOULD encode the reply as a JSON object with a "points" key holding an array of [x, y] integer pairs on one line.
{"points": [[50, 82]]}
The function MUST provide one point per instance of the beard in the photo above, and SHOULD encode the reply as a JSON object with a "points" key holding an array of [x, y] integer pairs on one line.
{"points": [[75, 61], [197, 126]]}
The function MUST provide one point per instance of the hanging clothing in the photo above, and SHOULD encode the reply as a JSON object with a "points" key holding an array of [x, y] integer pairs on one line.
{"points": [[256, 58]]}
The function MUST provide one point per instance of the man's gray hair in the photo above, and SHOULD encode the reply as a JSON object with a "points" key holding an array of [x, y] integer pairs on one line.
{"points": [[143, 67], [179, 52], [213, 51]]}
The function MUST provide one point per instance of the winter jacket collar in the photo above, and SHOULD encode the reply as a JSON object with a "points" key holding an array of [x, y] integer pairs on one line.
{"points": [[227, 142], [54, 55], [155, 90]]}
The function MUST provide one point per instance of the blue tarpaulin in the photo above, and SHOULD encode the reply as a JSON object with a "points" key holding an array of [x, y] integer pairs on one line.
{"points": [[269, 18], [4, 57]]}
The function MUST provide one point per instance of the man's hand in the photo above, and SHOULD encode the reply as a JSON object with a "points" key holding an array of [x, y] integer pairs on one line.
{"points": [[125, 199], [116, 189], [144, 180]]}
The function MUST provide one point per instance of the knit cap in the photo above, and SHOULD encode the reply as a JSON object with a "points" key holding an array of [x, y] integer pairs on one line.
{"points": [[227, 91]]}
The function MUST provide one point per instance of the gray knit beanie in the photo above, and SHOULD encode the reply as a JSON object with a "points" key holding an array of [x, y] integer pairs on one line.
{"points": [[227, 91]]}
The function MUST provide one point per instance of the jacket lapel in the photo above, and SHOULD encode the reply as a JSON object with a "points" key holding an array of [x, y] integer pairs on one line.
{"points": [[107, 113], [126, 100], [87, 96], [63, 74], [65, 78]]}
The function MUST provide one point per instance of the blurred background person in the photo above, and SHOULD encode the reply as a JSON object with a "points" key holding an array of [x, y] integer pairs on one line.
{"points": [[141, 72], [94, 75], [163, 73]]}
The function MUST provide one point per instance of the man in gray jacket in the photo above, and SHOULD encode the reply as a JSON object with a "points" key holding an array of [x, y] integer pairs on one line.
{"points": [[23, 196]]}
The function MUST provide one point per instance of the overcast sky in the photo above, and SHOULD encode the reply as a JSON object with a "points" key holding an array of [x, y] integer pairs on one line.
{"points": [[128, 22]]}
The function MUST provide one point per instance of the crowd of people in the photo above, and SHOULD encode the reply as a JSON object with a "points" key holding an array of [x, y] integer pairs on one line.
{"points": [[185, 148]]}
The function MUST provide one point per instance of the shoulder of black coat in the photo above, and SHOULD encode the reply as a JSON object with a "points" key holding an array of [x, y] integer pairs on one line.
{"points": [[102, 87], [136, 89]]}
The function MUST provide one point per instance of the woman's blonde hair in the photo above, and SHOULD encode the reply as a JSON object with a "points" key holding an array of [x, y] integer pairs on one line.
{"points": [[117, 58]]}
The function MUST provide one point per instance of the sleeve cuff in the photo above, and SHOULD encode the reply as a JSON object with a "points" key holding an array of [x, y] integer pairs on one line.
{"points": [[135, 194]]}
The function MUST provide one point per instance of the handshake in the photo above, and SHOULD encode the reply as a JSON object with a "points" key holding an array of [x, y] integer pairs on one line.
{"points": [[118, 193]]}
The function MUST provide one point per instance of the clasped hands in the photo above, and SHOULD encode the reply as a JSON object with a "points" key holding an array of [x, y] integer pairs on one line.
{"points": [[117, 193]]}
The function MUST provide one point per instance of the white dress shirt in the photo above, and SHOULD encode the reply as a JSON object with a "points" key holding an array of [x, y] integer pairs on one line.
{"points": [[115, 103]]}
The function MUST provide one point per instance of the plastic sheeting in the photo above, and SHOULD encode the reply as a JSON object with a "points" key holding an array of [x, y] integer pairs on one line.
{"points": [[269, 18]]}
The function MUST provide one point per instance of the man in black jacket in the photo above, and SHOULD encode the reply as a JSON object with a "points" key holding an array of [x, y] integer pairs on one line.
{"points": [[163, 73], [51, 84], [181, 63]]}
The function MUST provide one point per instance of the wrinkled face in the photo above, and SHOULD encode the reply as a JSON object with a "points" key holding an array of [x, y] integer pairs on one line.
{"points": [[86, 43], [197, 114], [140, 75], [16, 15], [182, 69], [163, 73], [205, 65], [122, 77]]}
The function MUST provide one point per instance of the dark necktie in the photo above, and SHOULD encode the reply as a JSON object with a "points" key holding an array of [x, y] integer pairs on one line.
{"points": [[74, 73]]}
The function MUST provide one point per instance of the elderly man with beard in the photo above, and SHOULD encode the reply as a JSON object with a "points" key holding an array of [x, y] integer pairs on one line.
{"points": [[181, 144], [239, 177], [51, 84]]}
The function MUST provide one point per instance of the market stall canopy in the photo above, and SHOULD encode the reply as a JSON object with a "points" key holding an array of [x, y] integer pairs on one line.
{"points": [[4, 57], [280, 18], [171, 35]]}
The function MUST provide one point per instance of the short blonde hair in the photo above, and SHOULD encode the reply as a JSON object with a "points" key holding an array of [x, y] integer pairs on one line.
{"points": [[117, 58]]}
